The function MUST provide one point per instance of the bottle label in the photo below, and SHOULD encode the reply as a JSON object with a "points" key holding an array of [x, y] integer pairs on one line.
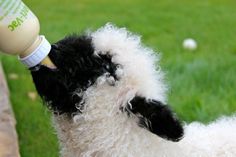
{"points": [[14, 13]]}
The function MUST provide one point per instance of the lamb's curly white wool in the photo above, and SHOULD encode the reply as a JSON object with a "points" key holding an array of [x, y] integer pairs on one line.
{"points": [[107, 118]]}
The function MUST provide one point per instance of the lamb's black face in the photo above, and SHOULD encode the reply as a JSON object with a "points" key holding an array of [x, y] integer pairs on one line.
{"points": [[77, 69]]}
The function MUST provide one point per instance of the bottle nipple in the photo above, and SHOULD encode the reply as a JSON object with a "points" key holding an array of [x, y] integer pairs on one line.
{"points": [[37, 55]]}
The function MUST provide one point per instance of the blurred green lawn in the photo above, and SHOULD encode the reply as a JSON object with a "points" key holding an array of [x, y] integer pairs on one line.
{"points": [[202, 83]]}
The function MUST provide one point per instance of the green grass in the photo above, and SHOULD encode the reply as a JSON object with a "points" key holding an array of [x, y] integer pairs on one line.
{"points": [[202, 83]]}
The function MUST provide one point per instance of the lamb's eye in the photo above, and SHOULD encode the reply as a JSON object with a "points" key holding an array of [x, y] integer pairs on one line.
{"points": [[107, 67]]}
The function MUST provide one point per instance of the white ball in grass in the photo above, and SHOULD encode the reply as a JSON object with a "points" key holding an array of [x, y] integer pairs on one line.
{"points": [[189, 44]]}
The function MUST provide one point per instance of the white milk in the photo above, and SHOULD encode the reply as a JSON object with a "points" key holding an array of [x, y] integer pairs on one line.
{"points": [[19, 31]]}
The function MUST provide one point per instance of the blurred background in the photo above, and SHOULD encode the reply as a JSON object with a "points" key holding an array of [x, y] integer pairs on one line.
{"points": [[202, 82]]}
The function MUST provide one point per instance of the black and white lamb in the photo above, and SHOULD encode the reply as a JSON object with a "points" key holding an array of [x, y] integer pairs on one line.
{"points": [[109, 100]]}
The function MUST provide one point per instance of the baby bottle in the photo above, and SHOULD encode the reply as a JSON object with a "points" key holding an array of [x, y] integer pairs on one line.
{"points": [[19, 34]]}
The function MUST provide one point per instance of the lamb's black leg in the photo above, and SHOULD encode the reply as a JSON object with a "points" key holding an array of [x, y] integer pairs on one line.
{"points": [[157, 117]]}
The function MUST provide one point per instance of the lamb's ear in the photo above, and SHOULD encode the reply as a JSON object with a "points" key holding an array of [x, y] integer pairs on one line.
{"points": [[51, 86], [157, 117]]}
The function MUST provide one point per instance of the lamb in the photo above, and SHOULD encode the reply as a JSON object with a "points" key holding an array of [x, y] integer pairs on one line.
{"points": [[108, 99]]}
